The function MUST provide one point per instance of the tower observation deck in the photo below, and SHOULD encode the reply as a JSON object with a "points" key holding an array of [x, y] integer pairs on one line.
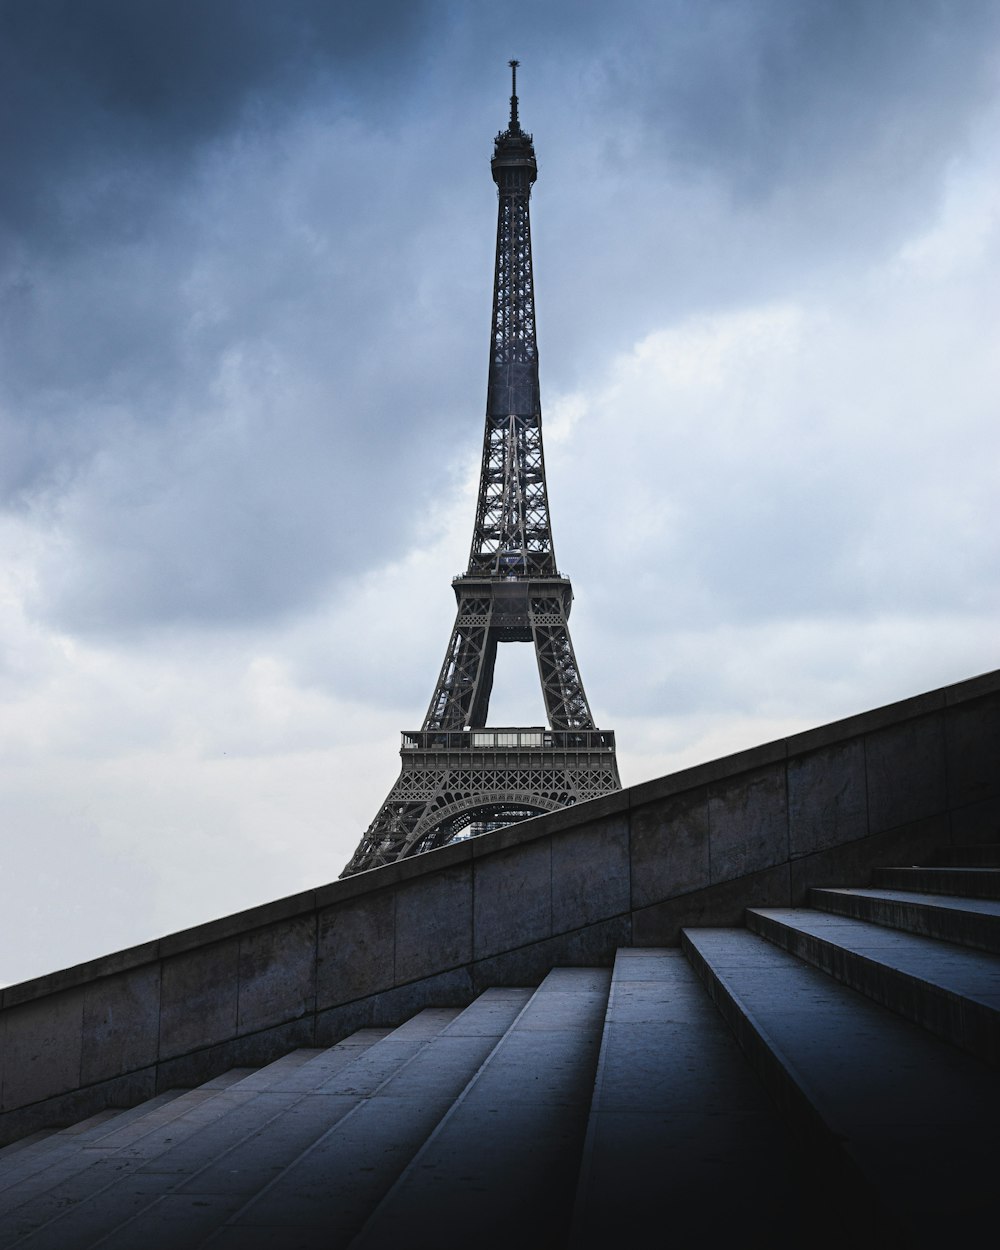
{"points": [[460, 777]]}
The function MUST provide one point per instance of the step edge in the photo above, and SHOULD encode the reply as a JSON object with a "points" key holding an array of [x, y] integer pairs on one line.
{"points": [[787, 1087], [363, 1232], [986, 1017]]}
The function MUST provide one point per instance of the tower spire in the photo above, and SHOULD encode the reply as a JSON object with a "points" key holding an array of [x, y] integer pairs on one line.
{"points": [[458, 777]]}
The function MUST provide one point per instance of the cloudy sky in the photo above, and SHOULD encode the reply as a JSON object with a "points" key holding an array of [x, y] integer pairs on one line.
{"points": [[246, 256]]}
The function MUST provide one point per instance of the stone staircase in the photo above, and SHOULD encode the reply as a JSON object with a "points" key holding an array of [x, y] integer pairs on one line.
{"points": [[823, 1076]]}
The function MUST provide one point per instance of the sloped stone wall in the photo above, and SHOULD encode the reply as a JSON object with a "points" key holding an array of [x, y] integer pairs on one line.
{"points": [[693, 848]]}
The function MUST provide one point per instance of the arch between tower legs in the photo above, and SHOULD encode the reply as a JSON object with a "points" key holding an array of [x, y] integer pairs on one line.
{"points": [[492, 810], [457, 784]]}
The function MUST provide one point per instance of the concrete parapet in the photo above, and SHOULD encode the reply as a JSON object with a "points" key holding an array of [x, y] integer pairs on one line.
{"points": [[758, 828]]}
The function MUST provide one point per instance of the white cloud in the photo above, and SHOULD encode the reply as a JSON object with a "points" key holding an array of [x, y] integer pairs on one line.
{"points": [[762, 500]]}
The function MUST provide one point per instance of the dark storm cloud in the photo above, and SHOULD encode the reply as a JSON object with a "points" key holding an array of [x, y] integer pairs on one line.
{"points": [[749, 149], [115, 115], [771, 93], [195, 296], [100, 81], [245, 248]]}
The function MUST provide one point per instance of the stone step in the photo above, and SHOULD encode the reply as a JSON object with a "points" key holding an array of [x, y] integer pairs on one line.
{"points": [[967, 921], [34, 1153], [501, 1168], [164, 1110], [23, 1143], [950, 990], [677, 1119], [957, 882], [39, 1144], [113, 1126], [179, 1197], [87, 1194], [274, 1073], [898, 1125], [99, 1125], [63, 1151], [323, 1196], [977, 855]]}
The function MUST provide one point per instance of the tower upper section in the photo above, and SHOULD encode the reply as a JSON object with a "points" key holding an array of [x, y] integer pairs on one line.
{"points": [[514, 170], [512, 535], [514, 166]]}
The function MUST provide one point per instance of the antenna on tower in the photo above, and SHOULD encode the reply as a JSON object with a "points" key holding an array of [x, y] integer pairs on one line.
{"points": [[515, 125]]}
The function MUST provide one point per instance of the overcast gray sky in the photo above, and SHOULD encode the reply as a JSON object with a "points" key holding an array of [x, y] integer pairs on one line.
{"points": [[246, 256]]}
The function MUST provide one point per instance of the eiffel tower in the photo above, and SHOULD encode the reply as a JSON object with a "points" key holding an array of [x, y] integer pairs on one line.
{"points": [[460, 778]]}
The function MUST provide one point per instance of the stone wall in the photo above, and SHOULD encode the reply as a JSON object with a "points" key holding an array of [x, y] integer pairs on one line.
{"points": [[693, 848]]}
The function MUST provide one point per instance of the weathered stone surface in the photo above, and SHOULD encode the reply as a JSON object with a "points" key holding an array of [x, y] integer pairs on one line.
{"points": [[851, 864], [355, 949], [669, 847], [394, 1006], [590, 873], [121, 1024], [713, 770], [198, 998], [678, 1119], [748, 823], [434, 923], [614, 804], [77, 1105], [896, 1123], [277, 974], [42, 1048], [979, 822], [513, 898], [906, 772], [722, 904], [240, 922], [251, 1051], [827, 799], [973, 688], [972, 737], [392, 875], [946, 989], [594, 945], [80, 974], [866, 722], [452, 988]]}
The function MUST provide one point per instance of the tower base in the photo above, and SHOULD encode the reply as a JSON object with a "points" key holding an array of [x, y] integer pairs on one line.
{"points": [[456, 784]]}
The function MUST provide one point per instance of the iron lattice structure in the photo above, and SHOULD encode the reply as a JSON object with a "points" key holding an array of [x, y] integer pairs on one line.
{"points": [[458, 777]]}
